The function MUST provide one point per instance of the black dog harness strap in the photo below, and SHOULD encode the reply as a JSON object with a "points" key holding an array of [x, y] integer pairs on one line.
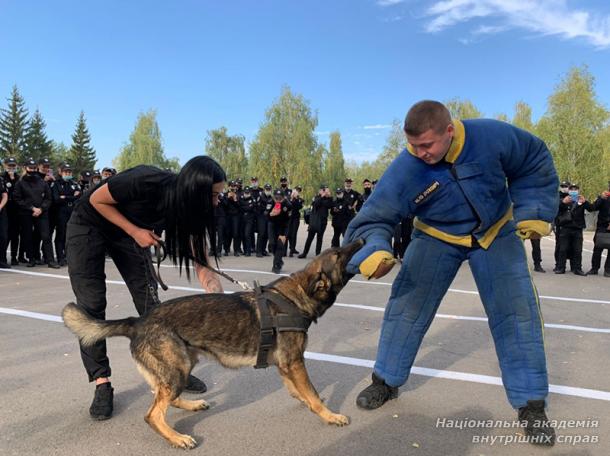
{"points": [[289, 318]]}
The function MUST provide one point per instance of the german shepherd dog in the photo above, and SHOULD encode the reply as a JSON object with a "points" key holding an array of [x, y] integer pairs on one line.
{"points": [[166, 342]]}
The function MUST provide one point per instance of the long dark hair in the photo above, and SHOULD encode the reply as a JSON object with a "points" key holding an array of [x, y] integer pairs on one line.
{"points": [[190, 212]]}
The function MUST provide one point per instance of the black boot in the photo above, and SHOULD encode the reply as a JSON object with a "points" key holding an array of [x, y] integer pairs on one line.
{"points": [[537, 427], [592, 272], [538, 267], [194, 385], [376, 394], [579, 272], [101, 407]]}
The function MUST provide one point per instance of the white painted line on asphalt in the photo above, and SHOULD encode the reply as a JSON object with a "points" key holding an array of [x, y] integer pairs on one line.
{"points": [[354, 306], [468, 318], [25, 313], [462, 376], [426, 372]]}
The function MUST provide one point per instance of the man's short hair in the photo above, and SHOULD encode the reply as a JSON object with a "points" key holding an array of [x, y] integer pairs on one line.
{"points": [[425, 115]]}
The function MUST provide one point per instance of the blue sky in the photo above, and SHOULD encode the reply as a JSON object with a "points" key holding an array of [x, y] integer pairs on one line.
{"points": [[360, 63]]}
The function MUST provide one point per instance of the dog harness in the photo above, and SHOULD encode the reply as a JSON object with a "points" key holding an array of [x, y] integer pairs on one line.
{"points": [[288, 318]]}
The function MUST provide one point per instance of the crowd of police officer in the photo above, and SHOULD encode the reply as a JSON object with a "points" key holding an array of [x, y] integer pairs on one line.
{"points": [[35, 206]]}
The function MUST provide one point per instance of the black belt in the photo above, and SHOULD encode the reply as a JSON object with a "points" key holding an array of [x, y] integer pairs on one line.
{"points": [[289, 318]]}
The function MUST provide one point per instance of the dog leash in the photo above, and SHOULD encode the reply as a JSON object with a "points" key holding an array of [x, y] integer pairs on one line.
{"points": [[161, 254]]}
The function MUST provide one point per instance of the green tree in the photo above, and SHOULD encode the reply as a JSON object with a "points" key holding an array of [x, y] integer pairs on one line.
{"points": [[145, 146], [286, 145], [523, 117], [81, 155], [229, 151], [13, 127], [61, 152], [462, 109], [334, 164], [37, 145], [395, 143], [502, 116], [574, 128]]}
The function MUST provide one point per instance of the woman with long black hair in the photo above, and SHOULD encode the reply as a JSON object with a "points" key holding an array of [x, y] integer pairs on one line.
{"points": [[120, 217]]}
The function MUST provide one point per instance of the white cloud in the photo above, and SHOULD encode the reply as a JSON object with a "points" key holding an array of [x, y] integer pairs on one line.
{"points": [[546, 17], [376, 127], [389, 2]]}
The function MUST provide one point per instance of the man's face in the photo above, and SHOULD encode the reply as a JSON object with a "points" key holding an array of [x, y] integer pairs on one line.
{"points": [[430, 146], [367, 185], [44, 169], [348, 185], [217, 189], [106, 174], [12, 169]]}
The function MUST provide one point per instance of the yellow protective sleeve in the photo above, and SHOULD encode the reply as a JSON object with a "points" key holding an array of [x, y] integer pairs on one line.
{"points": [[372, 262], [525, 228]]}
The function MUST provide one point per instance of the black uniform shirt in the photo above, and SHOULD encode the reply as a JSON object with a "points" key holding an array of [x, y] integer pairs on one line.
{"points": [[3, 188], [140, 195]]}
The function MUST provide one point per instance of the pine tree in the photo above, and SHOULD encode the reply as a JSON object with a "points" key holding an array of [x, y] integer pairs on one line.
{"points": [[37, 145], [13, 126], [81, 155]]}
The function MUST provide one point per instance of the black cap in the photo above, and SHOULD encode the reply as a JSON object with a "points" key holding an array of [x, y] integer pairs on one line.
{"points": [[254, 178], [323, 186], [247, 189], [231, 183], [298, 188], [365, 181], [573, 186], [66, 167], [85, 174], [283, 179], [348, 179], [96, 173], [565, 184], [107, 169], [374, 182], [268, 187], [30, 162], [278, 192], [339, 190], [239, 181], [44, 161], [10, 161]]}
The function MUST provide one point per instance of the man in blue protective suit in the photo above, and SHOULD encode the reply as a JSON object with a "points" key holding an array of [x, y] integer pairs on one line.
{"points": [[477, 188]]}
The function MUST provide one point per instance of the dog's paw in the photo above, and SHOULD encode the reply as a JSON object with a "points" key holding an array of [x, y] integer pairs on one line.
{"points": [[200, 405], [183, 441], [337, 419]]}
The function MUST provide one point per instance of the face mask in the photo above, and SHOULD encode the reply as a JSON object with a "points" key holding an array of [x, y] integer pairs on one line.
{"points": [[247, 195], [563, 189], [31, 173], [339, 196], [254, 185], [284, 185], [95, 181], [68, 178], [573, 194], [268, 192]]}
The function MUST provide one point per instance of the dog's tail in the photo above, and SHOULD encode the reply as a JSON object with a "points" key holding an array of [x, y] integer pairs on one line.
{"points": [[90, 330]]}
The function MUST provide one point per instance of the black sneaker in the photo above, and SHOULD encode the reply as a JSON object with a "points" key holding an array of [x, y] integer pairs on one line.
{"points": [[537, 426], [579, 272], [14, 262], [592, 272], [53, 265], [31, 264], [538, 268], [376, 394], [302, 255], [101, 407], [559, 271], [194, 385], [606, 273]]}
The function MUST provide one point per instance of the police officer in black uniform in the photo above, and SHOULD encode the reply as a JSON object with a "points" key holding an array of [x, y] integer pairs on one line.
{"points": [[263, 208], [220, 217], [284, 187], [279, 216], [233, 212], [318, 220], [295, 219], [571, 222], [33, 196], [601, 204], [11, 177], [84, 180], [367, 187], [563, 192], [341, 215], [65, 193], [256, 191], [247, 207], [3, 225], [46, 174], [352, 197]]}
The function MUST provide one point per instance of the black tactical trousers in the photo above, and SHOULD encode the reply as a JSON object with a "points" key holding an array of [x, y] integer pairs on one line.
{"points": [[86, 247], [31, 246], [570, 240]]}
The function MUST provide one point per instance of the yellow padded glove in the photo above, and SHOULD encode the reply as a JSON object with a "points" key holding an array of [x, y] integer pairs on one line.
{"points": [[372, 262], [526, 228]]}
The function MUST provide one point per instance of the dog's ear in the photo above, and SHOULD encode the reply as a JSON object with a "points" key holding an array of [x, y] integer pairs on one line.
{"points": [[321, 282]]}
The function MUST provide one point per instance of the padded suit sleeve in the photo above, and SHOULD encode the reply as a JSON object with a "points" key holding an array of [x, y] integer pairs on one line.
{"points": [[531, 175]]}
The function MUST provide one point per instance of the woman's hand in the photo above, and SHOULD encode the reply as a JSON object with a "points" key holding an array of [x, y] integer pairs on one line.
{"points": [[145, 238]]}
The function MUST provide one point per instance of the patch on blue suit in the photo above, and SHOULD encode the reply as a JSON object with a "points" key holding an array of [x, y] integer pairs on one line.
{"points": [[427, 192]]}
